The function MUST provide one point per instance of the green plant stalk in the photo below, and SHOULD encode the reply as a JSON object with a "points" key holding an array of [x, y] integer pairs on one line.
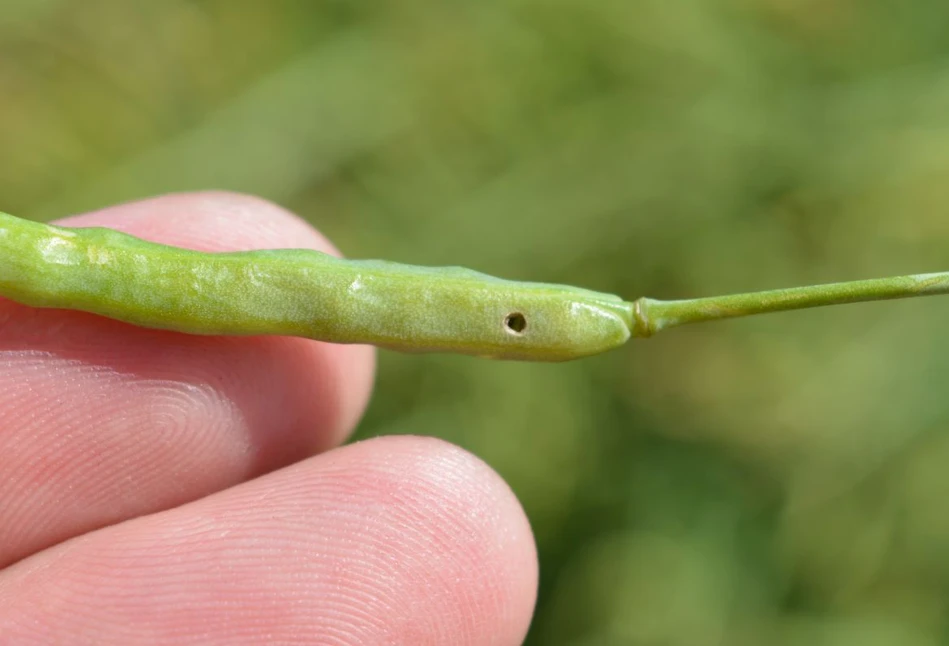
{"points": [[651, 316]]}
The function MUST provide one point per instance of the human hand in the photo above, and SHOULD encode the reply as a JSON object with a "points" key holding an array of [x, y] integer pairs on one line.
{"points": [[164, 488]]}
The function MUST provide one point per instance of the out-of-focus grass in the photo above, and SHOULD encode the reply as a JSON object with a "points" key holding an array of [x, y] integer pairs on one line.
{"points": [[771, 481]]}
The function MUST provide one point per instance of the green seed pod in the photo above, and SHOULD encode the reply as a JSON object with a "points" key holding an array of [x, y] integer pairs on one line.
{"points": [[304, 293]]}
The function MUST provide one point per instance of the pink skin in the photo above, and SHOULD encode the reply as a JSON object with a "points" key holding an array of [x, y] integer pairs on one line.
{"points": [[162, 488]]}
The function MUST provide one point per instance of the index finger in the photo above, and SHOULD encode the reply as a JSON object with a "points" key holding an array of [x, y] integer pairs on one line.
{"points": [[102, 421]]}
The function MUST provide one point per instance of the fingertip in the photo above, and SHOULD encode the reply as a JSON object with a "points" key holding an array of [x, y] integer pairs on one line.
{"points": [[120, 404], [397, 540], [221, 221]]}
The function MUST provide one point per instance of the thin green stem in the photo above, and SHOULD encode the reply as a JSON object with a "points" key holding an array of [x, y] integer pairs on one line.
{"points": [[651, 316]]}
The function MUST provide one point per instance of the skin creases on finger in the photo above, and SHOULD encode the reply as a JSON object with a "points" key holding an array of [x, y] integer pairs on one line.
{"points": [[101, 421], [398, 540]]}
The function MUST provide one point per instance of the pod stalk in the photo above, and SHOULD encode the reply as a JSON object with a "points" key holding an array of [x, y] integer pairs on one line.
{"points": [[651, 316]]}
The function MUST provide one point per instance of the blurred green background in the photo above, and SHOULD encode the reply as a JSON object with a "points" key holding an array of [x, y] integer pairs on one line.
{"points": [[783, 480]]}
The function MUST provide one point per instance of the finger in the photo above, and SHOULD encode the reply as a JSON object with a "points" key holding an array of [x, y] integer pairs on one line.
{"points": [[102, 421], [390, 541]]}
